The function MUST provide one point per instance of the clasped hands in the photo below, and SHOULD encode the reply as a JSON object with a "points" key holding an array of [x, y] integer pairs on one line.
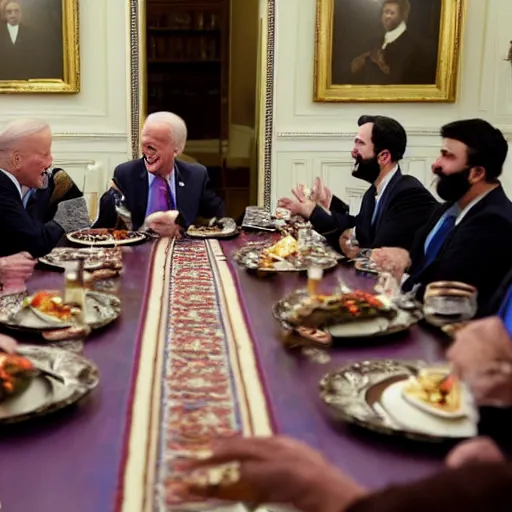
{"points": [[303, 204], [164, 224]]}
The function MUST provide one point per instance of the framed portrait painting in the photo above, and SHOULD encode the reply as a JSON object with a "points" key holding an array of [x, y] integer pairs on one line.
{"points": [[39, 49], [387, 50]]}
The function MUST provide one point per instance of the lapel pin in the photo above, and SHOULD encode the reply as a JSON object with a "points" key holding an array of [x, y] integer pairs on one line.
{"points": [[181, 184]]}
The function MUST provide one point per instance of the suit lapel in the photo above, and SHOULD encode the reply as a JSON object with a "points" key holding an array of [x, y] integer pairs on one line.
{"points": [[180, 184], [140, 194]]}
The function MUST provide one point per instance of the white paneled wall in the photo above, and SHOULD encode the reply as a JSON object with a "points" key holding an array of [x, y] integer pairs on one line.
{"points": [[90, 128], [314, 139]]}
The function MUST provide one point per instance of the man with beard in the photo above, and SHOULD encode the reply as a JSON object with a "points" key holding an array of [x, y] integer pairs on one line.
{"points": [[159, 182], [392, 209], [469, 237]]}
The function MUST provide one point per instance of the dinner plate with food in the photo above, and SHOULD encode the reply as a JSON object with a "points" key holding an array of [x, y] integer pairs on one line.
{"points": [[103, 237], [350, 314], [285, 256], [94, 258], [224, 227], [39, 380], [405, 398], [46, 312]]}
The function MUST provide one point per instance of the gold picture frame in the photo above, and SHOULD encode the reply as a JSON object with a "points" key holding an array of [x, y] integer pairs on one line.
{"points": [[45, 55], [345, 79]]}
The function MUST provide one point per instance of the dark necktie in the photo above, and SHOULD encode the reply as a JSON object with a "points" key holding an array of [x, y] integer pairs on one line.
{"points": [[438, 239]]}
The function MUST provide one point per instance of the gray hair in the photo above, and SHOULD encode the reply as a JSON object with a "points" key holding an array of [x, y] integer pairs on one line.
{"points": [[15, 131], [177, 127]]}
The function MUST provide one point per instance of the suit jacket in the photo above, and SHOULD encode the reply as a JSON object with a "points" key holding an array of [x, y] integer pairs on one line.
{"points": [[471, 488], [194, 196], [404, 207], [18, 231], [42, 204], [477, 251], [494, 305], [31, 56]]}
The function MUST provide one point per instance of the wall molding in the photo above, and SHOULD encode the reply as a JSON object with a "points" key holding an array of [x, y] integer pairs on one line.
{"points": [[90, 135], [411, 132]]}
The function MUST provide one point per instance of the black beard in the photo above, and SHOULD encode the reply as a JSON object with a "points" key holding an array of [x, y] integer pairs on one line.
{"points": [[451, 187], [367, 170]]}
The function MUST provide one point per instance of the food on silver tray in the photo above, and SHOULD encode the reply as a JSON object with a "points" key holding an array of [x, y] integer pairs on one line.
{"points": [[214, 227], [435, 388], [16, 372], [105, 235], [318, 311], [94, 258], [51, 304]]}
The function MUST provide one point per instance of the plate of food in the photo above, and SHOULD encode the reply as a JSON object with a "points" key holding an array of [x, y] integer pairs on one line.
{"points": [[371, 394], [224, 227], [106, 237], [37, 392], [94, 258], [45, 311], [285, 256], [352, 314], [258, 219]]}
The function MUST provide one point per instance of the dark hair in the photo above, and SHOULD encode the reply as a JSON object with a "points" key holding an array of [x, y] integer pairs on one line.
{"points": [[404, 5], [386, 134], [486, 145]]}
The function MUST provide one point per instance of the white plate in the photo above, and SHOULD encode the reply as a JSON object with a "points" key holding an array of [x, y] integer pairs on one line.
{"points": [[360, 328], [50, 319], [414, 419]]}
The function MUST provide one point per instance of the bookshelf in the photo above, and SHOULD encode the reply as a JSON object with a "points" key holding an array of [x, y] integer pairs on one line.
{"points": [[188, 64]]}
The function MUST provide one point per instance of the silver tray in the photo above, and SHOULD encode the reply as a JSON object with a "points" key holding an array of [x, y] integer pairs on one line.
{"points": [[248, 255], [94, 257], [100, 310], [46, 395], [137, 238], [367, 328], [229, 230], [352, 394]]}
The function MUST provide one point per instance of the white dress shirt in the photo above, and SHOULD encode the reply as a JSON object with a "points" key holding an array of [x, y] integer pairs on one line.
{"points": [[393, 35], [13, 31]]}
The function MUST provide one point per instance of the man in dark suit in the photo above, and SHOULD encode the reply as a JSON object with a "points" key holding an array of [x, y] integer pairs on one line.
{"points": [[397, 57], [392, 209], [159, 182], [469, 237], [25, 155]]}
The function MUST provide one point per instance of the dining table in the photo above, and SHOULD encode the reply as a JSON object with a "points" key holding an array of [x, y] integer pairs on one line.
{"points": [[195, 353]]}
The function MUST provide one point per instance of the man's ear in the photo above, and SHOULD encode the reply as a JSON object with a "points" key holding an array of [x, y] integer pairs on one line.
{"points": [[477, 174]]}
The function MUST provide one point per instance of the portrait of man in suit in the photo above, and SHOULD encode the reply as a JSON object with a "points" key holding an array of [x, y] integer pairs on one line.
{"points": [[31, 40], [385, 42]]}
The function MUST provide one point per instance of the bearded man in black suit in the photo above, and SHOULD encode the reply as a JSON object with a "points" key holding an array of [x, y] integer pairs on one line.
{"points": [[397, 57]]}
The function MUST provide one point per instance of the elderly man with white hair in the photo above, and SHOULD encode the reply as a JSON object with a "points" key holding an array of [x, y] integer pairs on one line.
{"points": [[25, 156], [158, 185]]}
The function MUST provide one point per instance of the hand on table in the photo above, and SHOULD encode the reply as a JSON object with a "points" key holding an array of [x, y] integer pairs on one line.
{"points": [[15, 270], [480, 449], [282, 470], [164, 223], [7, 344], [392, 259]]}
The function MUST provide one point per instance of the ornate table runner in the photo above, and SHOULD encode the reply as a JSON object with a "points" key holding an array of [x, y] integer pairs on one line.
{"points": [[197, 376]]}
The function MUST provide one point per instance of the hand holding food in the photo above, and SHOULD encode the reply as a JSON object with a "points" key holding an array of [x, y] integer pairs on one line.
{"points": [[393, 260]]}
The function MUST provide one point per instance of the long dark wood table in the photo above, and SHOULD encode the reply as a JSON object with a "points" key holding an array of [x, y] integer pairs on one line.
{"points": [[71, 461]]}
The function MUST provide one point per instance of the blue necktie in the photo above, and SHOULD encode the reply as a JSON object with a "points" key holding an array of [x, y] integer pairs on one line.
{"points": [[505, 312], [438, 239]]}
